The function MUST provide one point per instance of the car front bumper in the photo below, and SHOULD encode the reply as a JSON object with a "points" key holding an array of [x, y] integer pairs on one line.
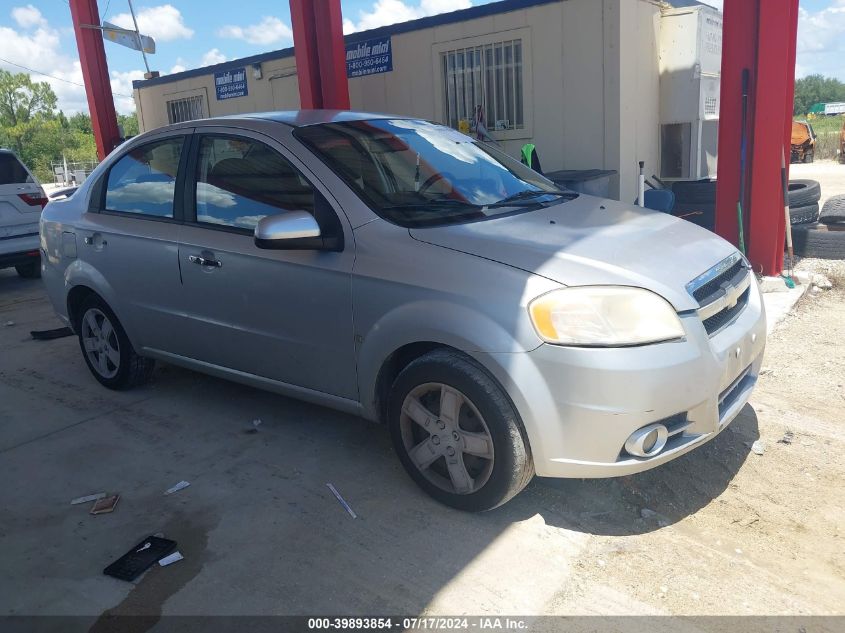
{"points": [[579, 405]]}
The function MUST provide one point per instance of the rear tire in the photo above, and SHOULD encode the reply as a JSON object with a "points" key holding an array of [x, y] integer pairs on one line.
{"points": [[31, 270], [809, 156], [457, 433], [106, 348]]}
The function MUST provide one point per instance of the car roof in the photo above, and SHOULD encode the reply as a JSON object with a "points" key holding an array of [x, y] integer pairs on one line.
{"points": [[302, 118]]}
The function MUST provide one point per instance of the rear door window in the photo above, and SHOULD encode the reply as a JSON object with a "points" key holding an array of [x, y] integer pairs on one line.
{"points": [[143, 181], [12, 171], [239, 181]]}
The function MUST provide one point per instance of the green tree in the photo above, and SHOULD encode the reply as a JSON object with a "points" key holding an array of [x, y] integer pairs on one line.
{"points": [[814, 89], [24, 106], [129, 124]]}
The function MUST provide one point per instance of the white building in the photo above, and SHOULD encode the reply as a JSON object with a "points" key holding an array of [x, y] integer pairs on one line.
{"points": [[581, 79]]}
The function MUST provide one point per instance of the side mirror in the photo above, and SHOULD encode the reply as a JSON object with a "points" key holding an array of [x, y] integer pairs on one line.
{"points": [[290, 230]]}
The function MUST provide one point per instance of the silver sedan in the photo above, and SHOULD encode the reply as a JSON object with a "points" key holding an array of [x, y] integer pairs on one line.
{"points": [[396, 269]]}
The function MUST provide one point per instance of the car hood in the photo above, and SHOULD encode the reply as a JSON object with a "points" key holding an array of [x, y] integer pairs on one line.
{"points": [[593, 241]]}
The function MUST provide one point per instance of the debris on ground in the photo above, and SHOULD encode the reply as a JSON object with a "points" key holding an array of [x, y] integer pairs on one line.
{"points": [[49, 335], [767, 371], [747, 521], [342, 501], [820, 281], [787, 438], [175, 557], [647, 514], [773, 284], [758, 447], [9, 323], [176, 488], [87, 498], [140, 558], [105, 505], [255, 424]]}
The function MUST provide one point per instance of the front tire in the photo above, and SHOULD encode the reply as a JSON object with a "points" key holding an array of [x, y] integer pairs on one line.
{"points": [[106, 348], [457, 433]]}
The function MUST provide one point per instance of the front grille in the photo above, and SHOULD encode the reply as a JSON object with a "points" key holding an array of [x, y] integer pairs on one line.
{"points": [[714, 286], [723, 318], [722, 292]]}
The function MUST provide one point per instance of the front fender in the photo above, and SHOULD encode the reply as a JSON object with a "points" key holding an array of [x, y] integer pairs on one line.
{"points": [[428, 321]]}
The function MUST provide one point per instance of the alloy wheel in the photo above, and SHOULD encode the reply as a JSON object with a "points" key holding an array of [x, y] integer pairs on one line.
{"points": [[100, 342], [446, 438]]}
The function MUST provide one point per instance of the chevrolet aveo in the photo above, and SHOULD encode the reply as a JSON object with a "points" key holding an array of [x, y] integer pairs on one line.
{"points": [[399, 270]]}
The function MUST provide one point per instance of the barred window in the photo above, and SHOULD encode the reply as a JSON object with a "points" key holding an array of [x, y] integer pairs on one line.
{"points": [[489, 76], [186, 109]]}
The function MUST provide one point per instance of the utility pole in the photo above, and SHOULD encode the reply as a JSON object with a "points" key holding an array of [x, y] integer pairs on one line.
{"points": [[138, 37]]}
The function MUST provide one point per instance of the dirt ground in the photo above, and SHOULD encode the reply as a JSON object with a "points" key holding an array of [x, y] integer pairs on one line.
{"points": [[720, 530]]}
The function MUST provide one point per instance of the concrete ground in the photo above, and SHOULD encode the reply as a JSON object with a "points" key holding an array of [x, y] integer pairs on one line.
{"points": [[720, 530], [829, 173]]}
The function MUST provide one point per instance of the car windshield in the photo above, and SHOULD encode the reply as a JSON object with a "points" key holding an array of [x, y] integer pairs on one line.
{"points": [[416, 173]]}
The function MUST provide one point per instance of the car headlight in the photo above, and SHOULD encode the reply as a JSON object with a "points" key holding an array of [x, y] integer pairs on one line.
{"points": [[604, 316]]}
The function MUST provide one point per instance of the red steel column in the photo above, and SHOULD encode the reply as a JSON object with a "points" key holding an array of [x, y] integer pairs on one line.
{"points": [[305, 50], [95, 73], [332, 52], [760, 36], [320, 54]]}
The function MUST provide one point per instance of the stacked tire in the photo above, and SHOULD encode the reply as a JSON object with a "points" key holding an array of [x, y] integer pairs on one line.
{"points": [[804, 198], [824, 239], [696, 201]]}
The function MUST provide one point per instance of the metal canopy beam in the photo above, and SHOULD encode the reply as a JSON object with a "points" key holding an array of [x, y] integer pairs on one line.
{"points": [[95, 74], [758, 35], [320, 54]]}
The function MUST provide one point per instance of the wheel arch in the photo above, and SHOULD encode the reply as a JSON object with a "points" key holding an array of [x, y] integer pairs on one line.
{"points": [[412, 330]]}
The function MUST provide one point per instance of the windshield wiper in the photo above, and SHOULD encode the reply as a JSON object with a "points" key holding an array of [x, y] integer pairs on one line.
{"points": [[448, 204], [526, 196]]}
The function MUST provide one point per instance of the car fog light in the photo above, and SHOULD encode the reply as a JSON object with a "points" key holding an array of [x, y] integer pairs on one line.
{"points": [[647, 441]]}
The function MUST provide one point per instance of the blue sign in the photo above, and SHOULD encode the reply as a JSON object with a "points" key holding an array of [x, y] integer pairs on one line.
{"points": [[230, 83], [369, 57]]}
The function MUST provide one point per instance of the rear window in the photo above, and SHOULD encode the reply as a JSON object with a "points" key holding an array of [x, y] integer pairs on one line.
{"points": [[12, 172]]}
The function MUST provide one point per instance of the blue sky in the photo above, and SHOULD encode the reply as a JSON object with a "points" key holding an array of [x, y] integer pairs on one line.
{"points": [[192, 33]]}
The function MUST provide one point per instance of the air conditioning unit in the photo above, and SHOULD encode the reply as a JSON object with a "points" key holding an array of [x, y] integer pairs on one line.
{"points": [[690, 75]]}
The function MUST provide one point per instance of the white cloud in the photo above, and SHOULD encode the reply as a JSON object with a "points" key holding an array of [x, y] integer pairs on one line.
{"points": [[392, 11], [178, 67], [163, 23], [28, 17], [821, 41], [214, 56], [121, 84], [269, 30]]}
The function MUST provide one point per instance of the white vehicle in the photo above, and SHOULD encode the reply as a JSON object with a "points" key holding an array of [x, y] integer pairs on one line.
{"points": [[832, 109], [21, 202]]}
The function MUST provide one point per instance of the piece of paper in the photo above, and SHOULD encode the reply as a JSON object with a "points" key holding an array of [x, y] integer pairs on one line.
{"points": [[180, 486], [175, 557], [87, 498]]}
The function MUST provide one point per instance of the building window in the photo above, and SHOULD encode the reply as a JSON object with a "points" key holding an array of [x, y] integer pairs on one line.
{"points": [[186, 109], [489, 76]]}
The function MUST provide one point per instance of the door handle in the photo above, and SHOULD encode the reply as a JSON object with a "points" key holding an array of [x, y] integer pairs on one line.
{"points": [[204, 261]]}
